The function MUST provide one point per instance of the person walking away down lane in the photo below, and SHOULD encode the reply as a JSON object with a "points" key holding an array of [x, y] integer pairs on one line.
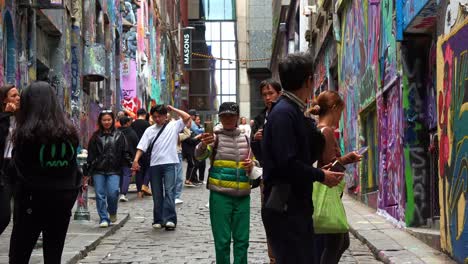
{"points": [[200, 165], [164, 136], [229, 184], [329, 107], [185, 134], [9, 96], [287, 166], [46, 175], [270, 91], [132, 141], [142, 179], [108, 152]]}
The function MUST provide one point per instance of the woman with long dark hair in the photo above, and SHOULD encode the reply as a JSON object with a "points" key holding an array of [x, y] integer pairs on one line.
{"points": [[45, 172], [9, 96], [107, 153]]}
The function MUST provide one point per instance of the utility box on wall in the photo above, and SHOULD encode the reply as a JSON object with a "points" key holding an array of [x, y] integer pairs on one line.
{"points": [[94, 62], [43, 4]]}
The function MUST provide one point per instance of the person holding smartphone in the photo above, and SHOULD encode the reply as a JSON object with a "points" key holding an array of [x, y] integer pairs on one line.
{"points": [[288, 151], [329, 107], [229, 184]]}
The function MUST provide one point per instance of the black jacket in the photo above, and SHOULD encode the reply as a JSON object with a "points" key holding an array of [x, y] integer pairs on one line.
{"points": [[188, 146], [4, 129], [288, 154], [132, 139], [139, 126], [256, 146], [108, 153]]}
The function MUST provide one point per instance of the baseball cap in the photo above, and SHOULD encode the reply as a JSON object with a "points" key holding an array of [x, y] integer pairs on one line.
{"points": [[193, 112], [228, 108]]}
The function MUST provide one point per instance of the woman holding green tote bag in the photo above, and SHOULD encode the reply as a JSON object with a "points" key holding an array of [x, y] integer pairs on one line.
{"points": [[330, 222]]}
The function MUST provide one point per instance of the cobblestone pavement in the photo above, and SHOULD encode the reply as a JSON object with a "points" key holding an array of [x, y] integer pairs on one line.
{"points": [[192, 242]]}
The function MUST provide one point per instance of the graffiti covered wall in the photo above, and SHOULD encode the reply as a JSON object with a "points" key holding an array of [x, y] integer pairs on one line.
{"points": [[417, 104], [359, 78], [452, 107]]}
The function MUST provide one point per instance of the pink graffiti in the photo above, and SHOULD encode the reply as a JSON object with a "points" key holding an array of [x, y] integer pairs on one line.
{"points": [[445, 98], [391, 186], [426, 22]]}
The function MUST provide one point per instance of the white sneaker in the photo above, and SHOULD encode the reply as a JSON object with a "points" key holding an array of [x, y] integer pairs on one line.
{"points": [[123, 198], [157, 226], [178, 201], [170, 226], [104, 224]]}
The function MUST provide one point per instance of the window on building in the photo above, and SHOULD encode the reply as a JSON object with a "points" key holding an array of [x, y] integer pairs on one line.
{"points": [[213, 80]]}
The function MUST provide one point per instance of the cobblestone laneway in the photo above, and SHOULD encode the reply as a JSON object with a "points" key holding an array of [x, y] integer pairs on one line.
{"points": [[138, 242]]}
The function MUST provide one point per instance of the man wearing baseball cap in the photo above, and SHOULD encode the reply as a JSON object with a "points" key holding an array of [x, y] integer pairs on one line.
{"points": [[229, 184]]}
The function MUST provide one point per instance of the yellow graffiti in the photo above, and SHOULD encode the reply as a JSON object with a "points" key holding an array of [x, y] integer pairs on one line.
{"points": [[461, 216], [451, 195]]}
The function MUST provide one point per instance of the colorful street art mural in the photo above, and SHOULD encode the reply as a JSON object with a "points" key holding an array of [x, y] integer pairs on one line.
{"points": [[452, 107], [359, 78], [130, 100], [388, 64], [391, 198]]}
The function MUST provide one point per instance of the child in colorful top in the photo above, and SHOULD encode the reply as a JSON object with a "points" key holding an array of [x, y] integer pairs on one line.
{"points": [[229, 184]]}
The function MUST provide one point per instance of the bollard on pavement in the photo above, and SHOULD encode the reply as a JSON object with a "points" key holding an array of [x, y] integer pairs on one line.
{"points": [[82, 212]]}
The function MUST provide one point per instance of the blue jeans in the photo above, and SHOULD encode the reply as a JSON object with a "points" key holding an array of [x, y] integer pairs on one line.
{"points": [[163, 177], [107, 195], [179, 178], [125, 180]]}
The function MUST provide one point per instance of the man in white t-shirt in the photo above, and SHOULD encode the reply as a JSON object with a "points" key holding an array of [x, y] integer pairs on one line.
{"points": [[163, 163]]}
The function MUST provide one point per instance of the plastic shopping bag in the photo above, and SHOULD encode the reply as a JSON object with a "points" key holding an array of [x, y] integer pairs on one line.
{"points": [[329, 214]]}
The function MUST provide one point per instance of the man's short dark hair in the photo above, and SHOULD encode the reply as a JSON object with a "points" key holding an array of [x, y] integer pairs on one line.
{"points": [[294, 70], [124, 120], [160, 109], [270, 82], [141, 112]]}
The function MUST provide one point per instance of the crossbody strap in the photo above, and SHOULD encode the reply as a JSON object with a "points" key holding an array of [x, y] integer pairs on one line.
{"points": [[150, 147]]}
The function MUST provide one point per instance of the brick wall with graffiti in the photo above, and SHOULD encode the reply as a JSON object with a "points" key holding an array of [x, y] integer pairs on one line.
{"points": [[452, 108]]}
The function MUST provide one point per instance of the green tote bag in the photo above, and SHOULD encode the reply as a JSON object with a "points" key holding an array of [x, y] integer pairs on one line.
{"points": [[329, 213]]}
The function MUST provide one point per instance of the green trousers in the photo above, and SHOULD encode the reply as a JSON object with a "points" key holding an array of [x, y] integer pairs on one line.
{"points": [[230, 217]]}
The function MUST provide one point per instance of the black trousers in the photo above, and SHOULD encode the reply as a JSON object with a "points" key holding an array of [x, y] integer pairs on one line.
{"points": [[291, 235], [40, 211], [5, 207], [332, 247], [201, 166], [191, 174]]}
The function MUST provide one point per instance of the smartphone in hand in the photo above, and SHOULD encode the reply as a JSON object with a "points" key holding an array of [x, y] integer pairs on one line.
{"points": [[362, 150], [208, 127], [337, 167]]}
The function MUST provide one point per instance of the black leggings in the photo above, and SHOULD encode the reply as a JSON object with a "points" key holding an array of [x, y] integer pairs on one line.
{"points": [[334, 245], [40, 211], [5, 208]]}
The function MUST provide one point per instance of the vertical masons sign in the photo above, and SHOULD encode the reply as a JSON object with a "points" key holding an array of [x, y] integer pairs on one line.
{"points": [[187, 49]]}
